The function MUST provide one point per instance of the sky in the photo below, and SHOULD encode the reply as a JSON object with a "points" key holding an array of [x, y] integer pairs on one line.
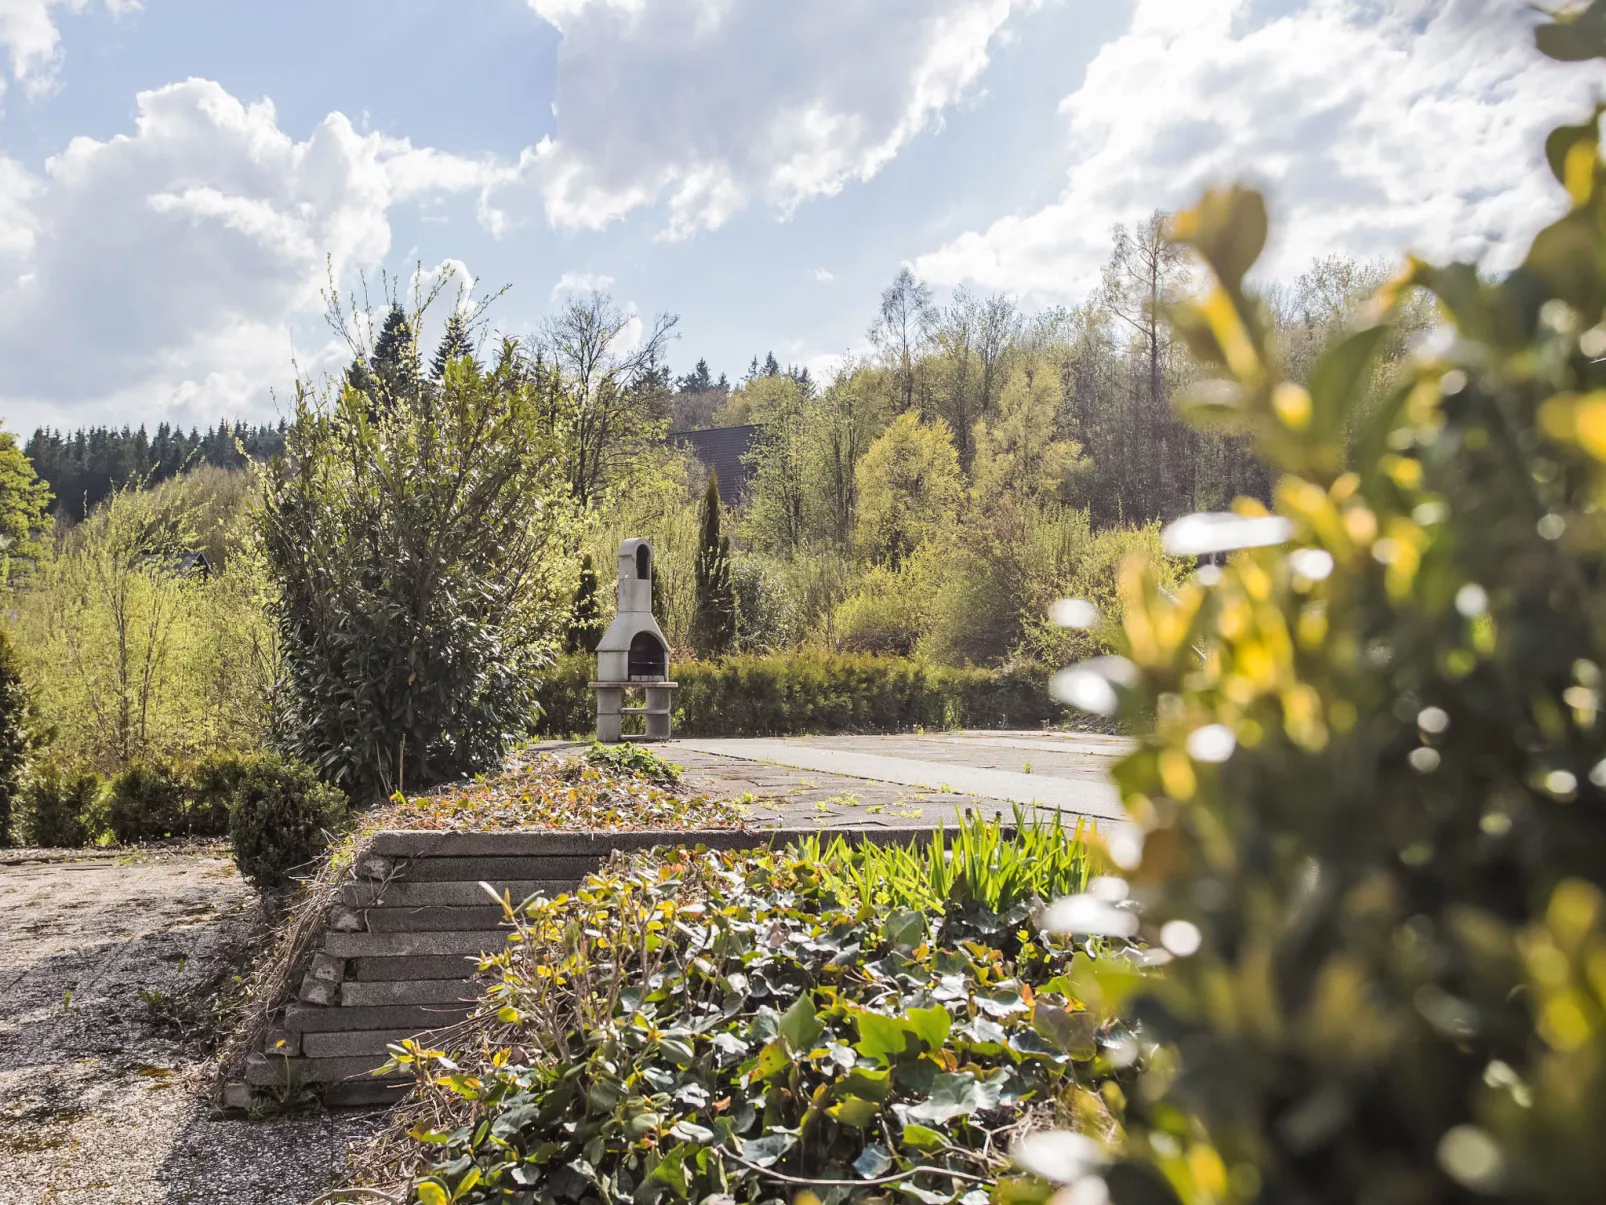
{"points": [[180, 180]]}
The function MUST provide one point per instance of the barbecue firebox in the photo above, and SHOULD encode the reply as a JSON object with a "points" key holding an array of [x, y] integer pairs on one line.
{"points": [[633, 654]]}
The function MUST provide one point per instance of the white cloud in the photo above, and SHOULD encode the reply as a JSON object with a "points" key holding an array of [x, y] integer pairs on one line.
{"points": [[30, 39], [580, 282], [160, 273], [823, 275], [1375, 125], [715, 105]]}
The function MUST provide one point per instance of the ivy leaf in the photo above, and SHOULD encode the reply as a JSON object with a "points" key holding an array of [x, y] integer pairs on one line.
{"points": [[954, 1095], [922, 1138], [871, 1085], [874, 1161], [772, 1060], [905, 929], [931, 1025], [800, 1026], [881, 1037], [924, 1195], [767, 1150], [854, 1111], [692, 1132], [431, 1193]]}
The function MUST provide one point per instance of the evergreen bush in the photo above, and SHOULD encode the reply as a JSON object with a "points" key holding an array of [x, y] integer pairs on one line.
{"points": [[214, 780], [146, 802], [59, 809], [280, 818], [415, 538], [781, 694]]}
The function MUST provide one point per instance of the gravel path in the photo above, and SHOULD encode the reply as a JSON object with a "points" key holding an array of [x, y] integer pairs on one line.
{"points": [[103, 1062]]}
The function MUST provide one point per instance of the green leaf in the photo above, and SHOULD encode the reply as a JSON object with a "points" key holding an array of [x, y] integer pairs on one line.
{"points": [[872, 1085], [767, 1149], [800, 1026], [1066, 1031], [772, 1060], [922, 1138], [1228, 228], [1339, 377], [467, 1183], [855, 1111], [430, 1192], [875, 1160], [680, 1053], [881, 1037], [931, 1025], [905, 929], [1574, 37], [955, 1095]]}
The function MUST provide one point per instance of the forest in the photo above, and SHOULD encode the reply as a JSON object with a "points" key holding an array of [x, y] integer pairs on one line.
{"points": [[927, 502]]}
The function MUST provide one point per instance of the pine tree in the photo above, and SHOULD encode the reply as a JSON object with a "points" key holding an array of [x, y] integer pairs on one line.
{"points": [[714, 622], [697, 380], [15, 740], [772, 366], [456, 343], [585, 616], [395, 360]]}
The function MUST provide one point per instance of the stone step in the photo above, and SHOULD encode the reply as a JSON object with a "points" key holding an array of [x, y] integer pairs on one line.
{"points": [[428, 843], [420, 966], [390, 945], [356, 1092], [262, 1070], [476, 869], [415, 1015], [427, 920], [373, 894], [353, 1043], [362, 997]]}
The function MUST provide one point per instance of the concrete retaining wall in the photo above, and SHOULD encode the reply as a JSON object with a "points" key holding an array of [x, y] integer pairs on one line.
{"points": [[397, 958]]}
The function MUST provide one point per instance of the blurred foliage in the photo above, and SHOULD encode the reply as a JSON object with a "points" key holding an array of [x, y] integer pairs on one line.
{"points": [[1372, 777], [418, 539], [696, 1025]]}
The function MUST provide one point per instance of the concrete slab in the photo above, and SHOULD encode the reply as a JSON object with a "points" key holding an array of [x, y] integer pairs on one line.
{"points": [[943, 763]]}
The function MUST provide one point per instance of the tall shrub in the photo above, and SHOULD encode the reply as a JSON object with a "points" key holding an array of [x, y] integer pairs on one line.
{"points": [[15, 737], [1372, 781], [714, 625], [416, 548], [132, 649]]}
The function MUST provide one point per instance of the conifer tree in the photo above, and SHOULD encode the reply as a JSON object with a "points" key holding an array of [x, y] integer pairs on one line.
{"points": [[585, 616], [714, 623], [395, 360], [456, 342]]}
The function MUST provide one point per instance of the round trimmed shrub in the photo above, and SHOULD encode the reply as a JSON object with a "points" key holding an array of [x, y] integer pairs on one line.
{"points": [[58, 808], [280, 818], [146, 803]]}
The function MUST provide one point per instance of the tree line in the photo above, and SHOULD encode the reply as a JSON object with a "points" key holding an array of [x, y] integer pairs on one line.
{"points": [[85, 466]]}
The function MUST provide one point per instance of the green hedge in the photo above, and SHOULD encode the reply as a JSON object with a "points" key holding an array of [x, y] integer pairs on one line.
{"points": [[779, 694]]}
